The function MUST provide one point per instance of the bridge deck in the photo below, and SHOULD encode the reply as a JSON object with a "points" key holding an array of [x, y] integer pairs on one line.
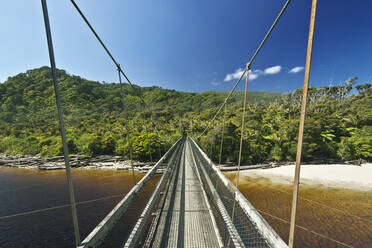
{"points": [[186, 219]]}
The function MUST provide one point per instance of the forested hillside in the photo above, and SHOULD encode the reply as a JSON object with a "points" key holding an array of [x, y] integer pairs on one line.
{"points": [[338, 125]]}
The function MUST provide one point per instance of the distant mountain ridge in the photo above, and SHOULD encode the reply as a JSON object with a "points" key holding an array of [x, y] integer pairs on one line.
{"points": [[32, 93]]}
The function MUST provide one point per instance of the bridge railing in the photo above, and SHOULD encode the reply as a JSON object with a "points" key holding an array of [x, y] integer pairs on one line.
{"points": [[95, 238], [239, 223], [147, 224]]}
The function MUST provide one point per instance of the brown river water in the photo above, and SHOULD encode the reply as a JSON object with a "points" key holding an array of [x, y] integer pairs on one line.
{"points": [[326, 217]]}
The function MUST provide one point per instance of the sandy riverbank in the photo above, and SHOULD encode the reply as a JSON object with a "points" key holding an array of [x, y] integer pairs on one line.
{"points": [[336, 175]]}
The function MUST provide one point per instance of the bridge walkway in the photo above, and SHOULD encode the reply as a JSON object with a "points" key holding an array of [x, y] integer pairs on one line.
{"points": [[193, 205], [186, 219]]}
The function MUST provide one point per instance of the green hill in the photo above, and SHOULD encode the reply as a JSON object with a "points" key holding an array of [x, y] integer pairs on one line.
{"points": [[338, 123], [252, 96], [91, 108], [30, 95]]}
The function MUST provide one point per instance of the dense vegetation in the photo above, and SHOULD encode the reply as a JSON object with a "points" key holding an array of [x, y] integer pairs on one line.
{"points": [[338, 125]]}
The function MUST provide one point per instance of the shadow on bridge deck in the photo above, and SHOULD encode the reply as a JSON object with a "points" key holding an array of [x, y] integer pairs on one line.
{"points": [[186, 219]]}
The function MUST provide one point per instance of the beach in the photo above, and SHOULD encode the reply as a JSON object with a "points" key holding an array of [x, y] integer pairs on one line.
{"points": [[335, 175]]}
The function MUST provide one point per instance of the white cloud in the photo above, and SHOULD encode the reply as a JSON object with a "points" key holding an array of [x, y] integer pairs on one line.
{"points": [[238, 73], [273, 70], [296, 69], [254, 74], [215, 83]]}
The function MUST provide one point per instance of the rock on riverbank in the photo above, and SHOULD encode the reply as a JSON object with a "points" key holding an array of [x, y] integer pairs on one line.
{"points": [[76, 161]]}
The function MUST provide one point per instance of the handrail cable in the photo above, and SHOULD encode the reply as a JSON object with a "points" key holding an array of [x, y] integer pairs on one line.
{"points": [[248, 64]]}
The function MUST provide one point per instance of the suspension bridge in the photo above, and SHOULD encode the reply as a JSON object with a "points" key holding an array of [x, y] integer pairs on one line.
{"points": [[193, 204]]}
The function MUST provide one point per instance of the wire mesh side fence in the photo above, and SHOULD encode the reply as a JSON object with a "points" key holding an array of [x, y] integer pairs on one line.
{"points": [[147, 225], [248, 229], [102, 232], [221, 215]]}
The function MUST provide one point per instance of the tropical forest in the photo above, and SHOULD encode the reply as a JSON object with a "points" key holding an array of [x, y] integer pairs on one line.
{"points": [[106, 118]]}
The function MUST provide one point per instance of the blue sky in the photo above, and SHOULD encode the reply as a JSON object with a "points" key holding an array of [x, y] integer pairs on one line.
{"points": [[191, 45]]}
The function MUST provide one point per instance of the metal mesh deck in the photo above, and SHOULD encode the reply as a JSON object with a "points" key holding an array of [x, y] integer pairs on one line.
{"points": [[186, 220], [238, 221], [197, 206]]}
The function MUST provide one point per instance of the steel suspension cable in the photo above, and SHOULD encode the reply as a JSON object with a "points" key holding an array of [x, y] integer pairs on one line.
{"points": [[269, 32], [296, 180], [222, 135], [242, 128], [147, 135], [139, 94], [191, 127], [158, 133], [107, 51], [241, 141], [127, 128], [24, 188], [245, 72], [248, 64], [211, 148], [223, 104], [306, 229], [320, 204], [58, 207], [61, 123]]}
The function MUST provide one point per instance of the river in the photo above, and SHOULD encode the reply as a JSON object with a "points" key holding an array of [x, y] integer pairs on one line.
{"points": [[325, 215]]}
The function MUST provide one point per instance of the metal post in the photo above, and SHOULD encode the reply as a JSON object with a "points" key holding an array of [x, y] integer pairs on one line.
{"points": [[241, 144], [157, 132], [191, 127], [147, 134], [126, 126], [61, 123], [211, 154], [180, 126], [302, 123], [131, 155], [222, 134], [242, 128], [159, 148]]}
